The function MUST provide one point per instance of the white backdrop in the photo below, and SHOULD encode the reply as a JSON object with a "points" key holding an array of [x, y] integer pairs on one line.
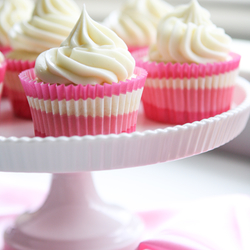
{"points": [[232, 15]]}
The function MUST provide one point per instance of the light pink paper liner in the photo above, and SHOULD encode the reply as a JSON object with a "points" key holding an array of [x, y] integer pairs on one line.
{"points": [[15, 90], [182, 93], [55, 124]]}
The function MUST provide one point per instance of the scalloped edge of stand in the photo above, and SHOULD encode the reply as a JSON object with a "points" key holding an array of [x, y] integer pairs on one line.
{"points": [[103, 152]]}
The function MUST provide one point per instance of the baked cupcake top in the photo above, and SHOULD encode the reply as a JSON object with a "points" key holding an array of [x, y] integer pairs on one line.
{"points": [[137, 20], [92, 54], [50, 24], [11, 12], [187, 35]]}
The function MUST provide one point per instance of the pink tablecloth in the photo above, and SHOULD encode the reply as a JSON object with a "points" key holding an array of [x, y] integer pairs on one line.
{"points": [[217, 223]]}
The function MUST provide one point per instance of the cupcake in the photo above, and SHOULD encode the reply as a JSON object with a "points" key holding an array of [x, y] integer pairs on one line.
{"points": [[191, 71], [87, 86], [11, 12], [136, 22], [2, 73], [48, 27]]}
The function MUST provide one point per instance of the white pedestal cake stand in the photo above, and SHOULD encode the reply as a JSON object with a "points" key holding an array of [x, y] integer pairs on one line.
{"points": [[73, 216]]}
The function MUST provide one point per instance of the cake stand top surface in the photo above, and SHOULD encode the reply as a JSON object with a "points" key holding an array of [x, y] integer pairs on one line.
{"points": [[152, 143]]}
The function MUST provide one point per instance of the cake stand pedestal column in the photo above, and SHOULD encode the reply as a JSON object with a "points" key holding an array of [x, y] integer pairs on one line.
{"points": [[74, 217]]}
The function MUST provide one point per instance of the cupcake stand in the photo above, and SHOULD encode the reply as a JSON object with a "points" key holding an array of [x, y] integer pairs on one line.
{"points": [[73, 216]]}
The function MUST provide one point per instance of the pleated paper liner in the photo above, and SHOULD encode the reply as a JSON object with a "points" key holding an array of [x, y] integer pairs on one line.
{"points": [[132, 49], [1, 91], [59, 110], [5, 91], [181, 93], [15, 90], [4, 50], [2, 73]]}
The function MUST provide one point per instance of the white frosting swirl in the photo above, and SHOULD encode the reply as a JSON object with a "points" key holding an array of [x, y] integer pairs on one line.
{"points": [[92, 54], [51, 23], [187, 35], [137, 20], [11, 12]]}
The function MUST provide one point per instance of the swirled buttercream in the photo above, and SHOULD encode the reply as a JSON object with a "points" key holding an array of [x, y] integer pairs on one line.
{"points": [[11, 12], [92, 54], [51, 23], [137, 20], [187, 35]]}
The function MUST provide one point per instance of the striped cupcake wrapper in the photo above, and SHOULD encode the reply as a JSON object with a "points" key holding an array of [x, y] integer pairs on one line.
{"points": [[181, 93], [59, 110]]}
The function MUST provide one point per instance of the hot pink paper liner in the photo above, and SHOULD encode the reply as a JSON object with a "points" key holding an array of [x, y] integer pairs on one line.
{"points": [[183, 103], [5, 91], [15, 91], [1, 90], [5, 49], [132, 49], [50, 124], [19, 65], [52, 92], [177, 70], [2, 73]]}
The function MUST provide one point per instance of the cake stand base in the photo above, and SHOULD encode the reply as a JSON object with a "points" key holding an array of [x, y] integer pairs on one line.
{"points": [[74, 217]]}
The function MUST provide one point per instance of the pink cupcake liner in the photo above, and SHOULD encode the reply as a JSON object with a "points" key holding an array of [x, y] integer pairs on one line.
{"points": [[59, 110], [5, 91], [5, 49], [181, 93], [2, 74], [1, 90], [49, 124], [2, 71], [177, 70], [14, 87], [132, 49]]}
